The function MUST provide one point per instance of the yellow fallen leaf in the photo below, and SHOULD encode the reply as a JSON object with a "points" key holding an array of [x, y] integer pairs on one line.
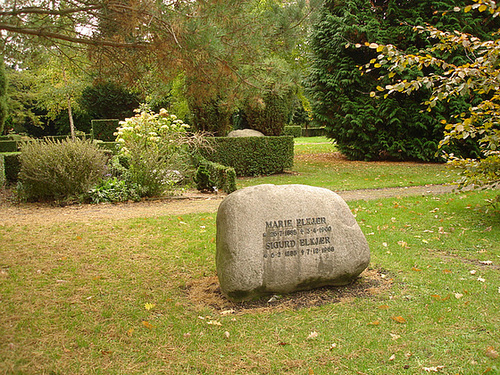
{"points": [[214, 323], [147, 324], [383, 307], [374, 323], [149, 306], [398, 319], [492, 353]]}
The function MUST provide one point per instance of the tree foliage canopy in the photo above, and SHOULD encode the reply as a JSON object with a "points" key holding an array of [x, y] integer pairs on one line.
{"points": [[222, 49], [363, 127], [478, 76]]}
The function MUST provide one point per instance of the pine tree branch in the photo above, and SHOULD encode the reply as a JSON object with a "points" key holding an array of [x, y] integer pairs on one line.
{"points": [[58, 36]]}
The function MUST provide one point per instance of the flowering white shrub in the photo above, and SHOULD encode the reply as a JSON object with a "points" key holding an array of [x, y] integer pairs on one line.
{"points": [[156, 144]]}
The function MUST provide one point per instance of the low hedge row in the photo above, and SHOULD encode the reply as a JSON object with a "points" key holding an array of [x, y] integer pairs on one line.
{"points": [[293, 130], [8, 146], [2, 171], [110, 146], [313, 132], [253, 156], [216, 176], [11, 166]]}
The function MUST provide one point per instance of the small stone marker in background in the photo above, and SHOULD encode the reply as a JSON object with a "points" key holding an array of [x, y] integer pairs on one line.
{"points": [[274, 239]]}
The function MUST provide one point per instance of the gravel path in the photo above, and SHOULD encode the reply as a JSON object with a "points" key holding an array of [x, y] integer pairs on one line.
{"points": [[191, 202]]}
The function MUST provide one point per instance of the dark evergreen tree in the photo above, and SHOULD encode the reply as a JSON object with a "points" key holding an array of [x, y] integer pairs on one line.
{"points": [[108, 100], [367, 128]]}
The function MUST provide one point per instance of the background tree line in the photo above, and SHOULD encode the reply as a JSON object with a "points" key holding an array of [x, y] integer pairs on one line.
{"points": [[202, 59]]}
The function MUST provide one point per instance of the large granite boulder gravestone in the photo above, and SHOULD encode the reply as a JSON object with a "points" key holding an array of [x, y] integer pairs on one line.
{"points": [[274, 239]]}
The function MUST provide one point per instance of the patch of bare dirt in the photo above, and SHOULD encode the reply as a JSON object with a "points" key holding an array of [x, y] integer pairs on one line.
{"points": [[206, 292], [47, 213]]}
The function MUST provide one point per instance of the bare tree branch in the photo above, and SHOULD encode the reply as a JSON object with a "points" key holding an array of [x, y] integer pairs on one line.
{"points": [[58, 36], [55, 12]]}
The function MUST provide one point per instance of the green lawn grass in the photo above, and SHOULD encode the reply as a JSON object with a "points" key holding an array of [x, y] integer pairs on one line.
{"points": [[119, 297], [113, 297], [317, 164]]}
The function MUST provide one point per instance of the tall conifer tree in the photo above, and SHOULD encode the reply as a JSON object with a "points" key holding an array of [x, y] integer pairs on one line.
{"points": [[364, 127]]}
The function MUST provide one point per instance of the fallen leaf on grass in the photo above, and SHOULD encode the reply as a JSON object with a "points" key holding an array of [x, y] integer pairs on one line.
{"points": [[392, 357], [147, 324], [226, 335], [447, 271], [383, 307], [416, 269], [333, 346], [227, 312], [398, 319], [433, 369], [214, 323], [394, 336], [312, 335], [403, 244], [492, 353], [481, 279], [486, 262], [458, 295], [149, 306], [374, 323]]}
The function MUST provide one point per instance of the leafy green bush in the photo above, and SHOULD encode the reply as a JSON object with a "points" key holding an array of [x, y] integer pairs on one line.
{"points": [[293, 130], [253, 156], [270, 113], [59, 170], [158, 150], [113, 190]]}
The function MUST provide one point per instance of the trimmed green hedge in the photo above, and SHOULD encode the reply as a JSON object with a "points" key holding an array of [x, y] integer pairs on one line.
{"points": [[293, 130], [12, 166], [68, 136], [8, 146], [253, 156], [110, 146], [2, 171], [103, 129], [220, 176], [314, 132]]}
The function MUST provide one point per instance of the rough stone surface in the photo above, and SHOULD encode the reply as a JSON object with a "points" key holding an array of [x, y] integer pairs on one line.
{"points": [[274, 239], [245, 133]]}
